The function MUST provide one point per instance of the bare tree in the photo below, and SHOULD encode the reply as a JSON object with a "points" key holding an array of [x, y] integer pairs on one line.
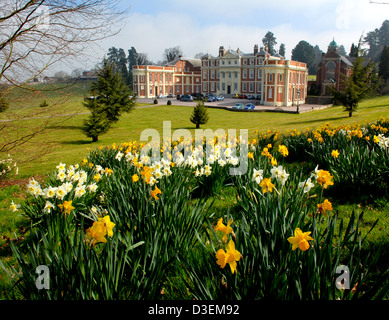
{"points": [[35, 35]]}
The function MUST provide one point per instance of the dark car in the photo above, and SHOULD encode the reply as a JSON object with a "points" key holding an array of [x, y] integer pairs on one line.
{"points": [[186, 97]]}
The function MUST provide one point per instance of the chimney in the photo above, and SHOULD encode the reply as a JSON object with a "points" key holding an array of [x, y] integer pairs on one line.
{"points": [[256, 49], [222, 51]]}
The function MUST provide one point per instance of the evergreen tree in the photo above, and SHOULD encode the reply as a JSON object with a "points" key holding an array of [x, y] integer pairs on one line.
{"points": [[199, 115], [110, 99], [353, 51], [270, 41], [384, 64], [282, 50], [362, 83], [304, 52]]}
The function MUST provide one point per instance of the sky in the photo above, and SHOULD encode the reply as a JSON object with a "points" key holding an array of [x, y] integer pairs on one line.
{"points": [[202, 26]]}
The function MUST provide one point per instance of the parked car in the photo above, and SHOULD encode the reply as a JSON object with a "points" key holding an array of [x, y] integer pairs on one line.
{"points": [[235, 96], [242, 96], [179, 96], [249, 106], [219, 98], [198, 96], [238, 106], [211, 99], [250, 97], [258, 97], [186, 97], [171, 95], [161, 96]]}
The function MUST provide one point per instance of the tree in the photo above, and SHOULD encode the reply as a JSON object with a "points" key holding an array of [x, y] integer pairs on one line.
{"points": [[37, 35], [282, 50], [304, 52], [362, 83], [110, 99], [199, 115], [171, 54], [383, 70], [353, 51], [269, 41]]}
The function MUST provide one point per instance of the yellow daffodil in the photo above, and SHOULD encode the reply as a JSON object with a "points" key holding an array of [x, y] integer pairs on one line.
{"points": [[226, 229], [324, 178], [155, 192], [266, 185], [135, 178], [300, 240], [273, 162], [325, 206], [283, 150], [335, 153], [109, 225], [66, 207], [250, 155], [231, 256], [96, 233]]}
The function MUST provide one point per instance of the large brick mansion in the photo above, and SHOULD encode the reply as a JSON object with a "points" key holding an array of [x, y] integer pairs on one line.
{"points": [[278, 82]]}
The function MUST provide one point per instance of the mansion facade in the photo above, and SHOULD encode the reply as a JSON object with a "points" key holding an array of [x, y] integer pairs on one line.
{"points": [[272, 79]]}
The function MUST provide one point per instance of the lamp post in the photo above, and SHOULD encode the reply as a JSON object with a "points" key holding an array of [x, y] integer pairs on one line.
{"points": [[298, 98]]}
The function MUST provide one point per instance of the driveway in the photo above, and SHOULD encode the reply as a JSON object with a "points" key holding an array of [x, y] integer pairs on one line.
{"points": [[227, 104]]}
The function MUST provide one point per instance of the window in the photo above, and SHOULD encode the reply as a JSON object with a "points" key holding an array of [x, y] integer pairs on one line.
{"points": [[244, 73], [260, 74], [251, 61], [270, 77], [244, 86], [212, 74], [244, 61], [251, 73], [259, 88], [204, 74], [251, 87], [270, 93], [236, 74], [229, 74], [280, 78]]}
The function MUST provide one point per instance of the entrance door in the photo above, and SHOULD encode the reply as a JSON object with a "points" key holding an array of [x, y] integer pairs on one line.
{"points": [[228, 89], [156, 91]]}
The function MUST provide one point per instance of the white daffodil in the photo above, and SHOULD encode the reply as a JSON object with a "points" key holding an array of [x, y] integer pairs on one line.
{"points": [[258, 176], [306, 185], [48, 207], [14, 207], [49, 192]]}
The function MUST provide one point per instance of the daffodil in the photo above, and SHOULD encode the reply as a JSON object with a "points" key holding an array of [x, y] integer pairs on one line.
{"points": [[226, 229], [106, 220], [230, 256], [135, 177], [66, 207], [324, 178], [300, 240], [335, 153], [267, 185], [325, 206], [97, 232], [14, 207], [155, 193], [283, 150]]}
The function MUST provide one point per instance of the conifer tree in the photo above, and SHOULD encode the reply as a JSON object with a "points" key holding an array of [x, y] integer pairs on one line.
{"points": [[362, 83], [199, 115], [384, 65], [110, 99]]}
